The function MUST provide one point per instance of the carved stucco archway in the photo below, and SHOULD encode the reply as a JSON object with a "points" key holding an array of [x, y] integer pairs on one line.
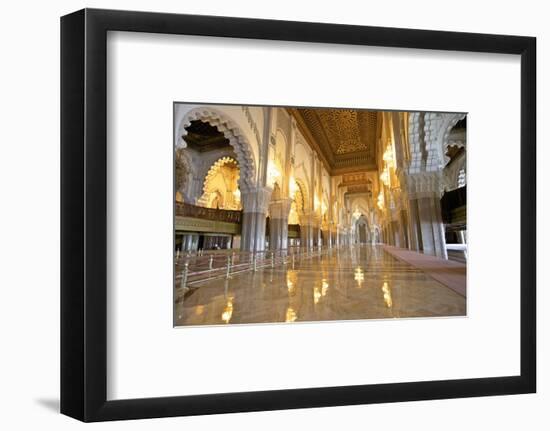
{"points": [[362, 221], [213, 171], [232, 132], [305, 195], [429, 139]]}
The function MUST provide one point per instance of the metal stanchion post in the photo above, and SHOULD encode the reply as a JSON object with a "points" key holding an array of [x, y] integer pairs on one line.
{"points": [[210, 262], [228, 267], [272, 259], [184, 275], [254, 261]]}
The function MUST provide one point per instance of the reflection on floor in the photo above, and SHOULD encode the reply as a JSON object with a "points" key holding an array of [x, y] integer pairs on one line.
{"points": [[350, 283]]}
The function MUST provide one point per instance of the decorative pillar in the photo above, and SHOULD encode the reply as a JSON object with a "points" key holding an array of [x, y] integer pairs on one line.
{"points": [[315, 231], [438, 228], [425, 213], [255, 204], [415, 236], [278, 224], [324, 235], [306, 230], [186, 242], [426, 229]]}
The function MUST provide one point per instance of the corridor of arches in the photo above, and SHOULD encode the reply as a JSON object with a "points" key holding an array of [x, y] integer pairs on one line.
{"points": [[360, 214]]}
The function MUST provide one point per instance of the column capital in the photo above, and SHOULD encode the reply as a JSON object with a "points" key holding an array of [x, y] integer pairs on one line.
{"points": [[308, 218], [280, 208], [424, 184], [256, 200]]}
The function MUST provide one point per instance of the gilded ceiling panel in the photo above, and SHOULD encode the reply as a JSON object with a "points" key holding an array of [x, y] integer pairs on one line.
{"points": [[346, 137]]}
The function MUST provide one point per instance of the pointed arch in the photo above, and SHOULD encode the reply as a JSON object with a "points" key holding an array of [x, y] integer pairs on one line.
{"points": [[305, 194], [230, 129], [429, 139], [228, 194]]}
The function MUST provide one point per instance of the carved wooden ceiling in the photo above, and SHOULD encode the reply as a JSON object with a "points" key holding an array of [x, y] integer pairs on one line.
{"points": [[346, 138], [203, 137]]}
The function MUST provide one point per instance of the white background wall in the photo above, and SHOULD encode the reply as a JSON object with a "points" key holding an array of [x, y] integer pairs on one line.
{"points": [[29, 170]]}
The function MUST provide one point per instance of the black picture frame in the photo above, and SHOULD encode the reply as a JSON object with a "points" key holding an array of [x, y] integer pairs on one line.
{"points": [[84, 214]]}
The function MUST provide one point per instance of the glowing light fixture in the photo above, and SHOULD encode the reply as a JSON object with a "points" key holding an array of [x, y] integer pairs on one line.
{"points": [[292, 187], [389, 162], [316, 203], [388, 155], [273, 174], [380, 200]]}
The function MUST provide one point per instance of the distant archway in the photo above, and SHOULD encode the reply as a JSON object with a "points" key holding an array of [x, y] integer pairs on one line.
{"points": [[221, 185], [296, 206], [362, 231]]}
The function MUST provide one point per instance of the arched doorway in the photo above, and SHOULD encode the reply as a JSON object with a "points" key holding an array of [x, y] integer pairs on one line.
{"points": [[221, 186], [208, 118]]}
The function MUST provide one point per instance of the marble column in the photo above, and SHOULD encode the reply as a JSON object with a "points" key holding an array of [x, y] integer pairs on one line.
{"points": [[426, 223], [431, 226], [278, 224], [438, 229], [330, 236], [315, 235], [415, 236], [390, 239], [307, 230], [426, 230], [186, 243], [396, 237], [255, 204], [325, 237], [304, 234]]}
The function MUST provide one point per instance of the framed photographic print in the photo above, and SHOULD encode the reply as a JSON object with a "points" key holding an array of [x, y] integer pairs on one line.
{"points": [[262, 215]]}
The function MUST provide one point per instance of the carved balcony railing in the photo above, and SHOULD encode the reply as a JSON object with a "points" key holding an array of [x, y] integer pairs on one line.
{"points": [[188, 210]]}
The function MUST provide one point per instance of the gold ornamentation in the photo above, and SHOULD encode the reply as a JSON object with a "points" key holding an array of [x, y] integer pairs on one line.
{"points": [[346, 137]]}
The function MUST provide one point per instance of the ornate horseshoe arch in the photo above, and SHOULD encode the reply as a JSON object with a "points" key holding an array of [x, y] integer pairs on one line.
{"points": [[233, 133]]}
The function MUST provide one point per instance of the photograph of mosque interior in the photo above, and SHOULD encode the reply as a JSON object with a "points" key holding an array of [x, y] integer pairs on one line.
{"points": [[300, 214]]}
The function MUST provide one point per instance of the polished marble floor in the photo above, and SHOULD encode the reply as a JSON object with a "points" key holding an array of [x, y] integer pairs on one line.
{"points": [[363, 282]]}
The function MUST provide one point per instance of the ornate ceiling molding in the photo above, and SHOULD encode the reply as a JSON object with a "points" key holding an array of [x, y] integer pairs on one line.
{"points": [[345, 139]]}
